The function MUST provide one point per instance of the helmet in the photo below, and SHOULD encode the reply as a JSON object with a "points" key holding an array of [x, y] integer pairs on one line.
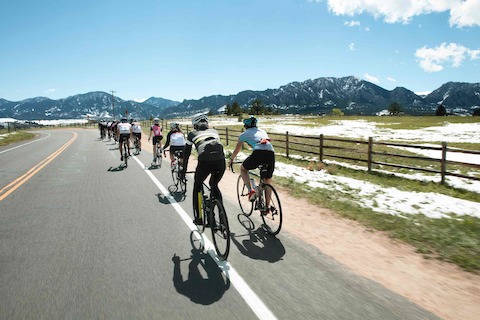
{"points": [[250, 122], [202, 118], [173, 125], [156, 121], [131, 121], [124, 119]]}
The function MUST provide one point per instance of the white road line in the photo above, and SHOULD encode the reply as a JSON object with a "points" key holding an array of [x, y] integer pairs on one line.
{"points": [[22, 145], [250, 297]]}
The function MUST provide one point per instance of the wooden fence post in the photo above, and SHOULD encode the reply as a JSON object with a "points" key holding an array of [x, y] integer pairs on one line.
{"points": [[443, 163], [370, 149], [286, 145], [226, 135], [320, 154]]}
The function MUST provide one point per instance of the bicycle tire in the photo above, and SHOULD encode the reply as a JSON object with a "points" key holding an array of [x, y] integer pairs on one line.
{"points": [[182, 182], [125, 153], [220, 230], [175, 177], [159, 157], [242, 195], [272, 221], [137, 147]]}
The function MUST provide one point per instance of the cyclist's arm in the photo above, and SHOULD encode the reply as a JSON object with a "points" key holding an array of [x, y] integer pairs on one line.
{"points": [[236, 151], [167, 143]]}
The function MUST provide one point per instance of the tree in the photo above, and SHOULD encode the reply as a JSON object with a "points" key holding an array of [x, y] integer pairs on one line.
{"points": [[476, 112], [236, 110], [337, 112], [257, 107], [441, 111], [395, 108]]}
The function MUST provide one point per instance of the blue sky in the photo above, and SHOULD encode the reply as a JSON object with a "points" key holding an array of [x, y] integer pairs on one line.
{"points": [[188, 49]]}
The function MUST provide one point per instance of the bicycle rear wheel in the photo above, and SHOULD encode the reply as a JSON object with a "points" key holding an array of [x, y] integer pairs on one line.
{"points": [[159, 157], [182, 182], [242, 194], [125, 153], [203, 213], [137, 146], [271, 215], [220, 229]]}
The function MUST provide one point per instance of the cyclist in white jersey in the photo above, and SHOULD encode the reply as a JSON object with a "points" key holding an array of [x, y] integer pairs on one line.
{"points": [[263, 153], [124, 131], [137, 132], [176, 141], [156, 132]]}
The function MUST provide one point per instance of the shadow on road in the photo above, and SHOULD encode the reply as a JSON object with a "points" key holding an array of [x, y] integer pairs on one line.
{"points": [[257, 244], [121, 167], [199, 288]]}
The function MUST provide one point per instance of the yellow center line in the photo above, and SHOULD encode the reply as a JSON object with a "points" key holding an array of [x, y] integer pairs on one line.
{"points": [[14, 185]]}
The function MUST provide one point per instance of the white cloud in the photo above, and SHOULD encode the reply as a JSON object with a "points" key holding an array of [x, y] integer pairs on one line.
{"points": [[351, 46], [371, 78], [352, 23], [391, 79], [462, 12], [433, 59], [465, 13], [51, 90]]}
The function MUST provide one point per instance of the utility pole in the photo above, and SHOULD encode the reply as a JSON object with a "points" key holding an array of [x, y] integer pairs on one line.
{"points": [[113, 104]]}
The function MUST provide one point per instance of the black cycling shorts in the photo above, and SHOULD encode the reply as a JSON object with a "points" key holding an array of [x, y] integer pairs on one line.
{"points": [[157, 139], [259, 157], [173, 149], [124, 137]]}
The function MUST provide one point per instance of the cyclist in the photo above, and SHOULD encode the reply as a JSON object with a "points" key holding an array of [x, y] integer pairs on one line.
{"points": [[124, 131], [137, 132], [211, 159], [176, 141], [263, 153], [156, 131]]}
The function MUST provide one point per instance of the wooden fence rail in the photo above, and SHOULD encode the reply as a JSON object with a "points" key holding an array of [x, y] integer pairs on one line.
{"points": [[362, 151]]}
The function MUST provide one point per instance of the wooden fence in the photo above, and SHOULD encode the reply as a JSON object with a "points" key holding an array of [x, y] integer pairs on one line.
{"points": [[369, 152]]}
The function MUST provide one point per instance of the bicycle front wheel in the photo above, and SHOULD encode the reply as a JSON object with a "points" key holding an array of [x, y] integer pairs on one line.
{"points": [[220, 229], [272, 212], [175, 176], [242, 194], [159, 157]]}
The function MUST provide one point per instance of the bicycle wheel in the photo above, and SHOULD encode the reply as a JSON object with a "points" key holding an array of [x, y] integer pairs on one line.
{"points": [[159, 157], [242, 194], [220, 231], [137, 147], [271, 216], [182, 182], [175, 176], [125, 153]]}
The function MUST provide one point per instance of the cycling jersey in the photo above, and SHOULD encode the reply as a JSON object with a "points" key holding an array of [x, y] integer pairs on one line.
{"points": [[157, 130], [136, 128], [208, 145], [124, 128], [257, 139]]}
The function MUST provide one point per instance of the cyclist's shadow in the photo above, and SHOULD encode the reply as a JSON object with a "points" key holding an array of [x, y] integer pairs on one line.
{"points": [[259, 244], [177, 196], [200, 289]]}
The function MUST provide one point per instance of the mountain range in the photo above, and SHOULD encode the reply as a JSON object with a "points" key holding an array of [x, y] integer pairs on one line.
{"points": [[319, 96]]}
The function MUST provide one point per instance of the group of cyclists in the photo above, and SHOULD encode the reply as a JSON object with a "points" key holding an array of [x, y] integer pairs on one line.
{"points": [[211, 154]]}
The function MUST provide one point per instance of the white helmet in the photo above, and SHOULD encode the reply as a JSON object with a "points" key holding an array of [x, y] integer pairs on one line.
{"points": [[198, 119], [156, 121], [173, 125]]}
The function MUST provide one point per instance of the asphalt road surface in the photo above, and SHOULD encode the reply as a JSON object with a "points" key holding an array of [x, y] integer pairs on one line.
{"points": [[82, 237]]}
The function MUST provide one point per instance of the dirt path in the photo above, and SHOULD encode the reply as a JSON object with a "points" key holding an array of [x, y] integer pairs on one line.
{"points": [[439, 287]]}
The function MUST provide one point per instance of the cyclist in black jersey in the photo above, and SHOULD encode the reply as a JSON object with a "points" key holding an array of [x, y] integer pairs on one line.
{"points": [[211, 159]]}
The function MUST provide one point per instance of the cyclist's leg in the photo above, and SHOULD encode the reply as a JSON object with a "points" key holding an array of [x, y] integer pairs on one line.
{"points": [[269, 159], [200, 175], [154, 143], [218, 169], [120, 148]]}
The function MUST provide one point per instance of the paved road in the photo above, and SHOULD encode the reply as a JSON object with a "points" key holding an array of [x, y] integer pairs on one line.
{"points": [[82, 238]]}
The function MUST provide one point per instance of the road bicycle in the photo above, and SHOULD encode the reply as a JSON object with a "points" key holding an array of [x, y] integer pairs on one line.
{"points": [[179, 180], [267, 201], [125, 152], [136, 145], [157, 161], [212, 213]]}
